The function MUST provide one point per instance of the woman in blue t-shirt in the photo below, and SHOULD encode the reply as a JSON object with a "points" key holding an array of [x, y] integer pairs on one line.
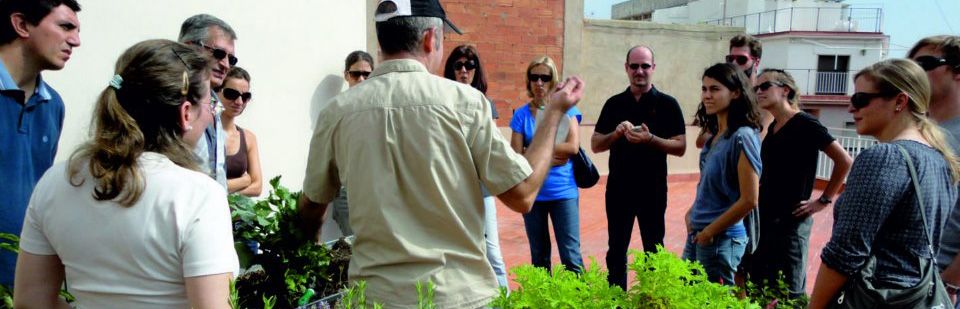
{"points": [[559, 196], [729, 173]]}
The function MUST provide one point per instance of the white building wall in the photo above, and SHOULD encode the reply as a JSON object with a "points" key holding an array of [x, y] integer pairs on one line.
{"points": [[293, 49]]}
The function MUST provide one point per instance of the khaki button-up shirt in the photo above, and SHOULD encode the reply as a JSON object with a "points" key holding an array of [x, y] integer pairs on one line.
{"points": [[413, 149]]}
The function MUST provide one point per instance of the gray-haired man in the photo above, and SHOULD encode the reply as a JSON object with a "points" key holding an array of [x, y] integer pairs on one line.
{"points": [[217, 37]]}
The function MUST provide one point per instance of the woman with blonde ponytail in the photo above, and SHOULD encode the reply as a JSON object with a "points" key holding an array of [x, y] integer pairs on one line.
{"points": [[128, 221], [878, 217]]}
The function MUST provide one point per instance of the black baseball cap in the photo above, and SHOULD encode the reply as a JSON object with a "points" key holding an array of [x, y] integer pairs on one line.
{"points": [[423, 8]]}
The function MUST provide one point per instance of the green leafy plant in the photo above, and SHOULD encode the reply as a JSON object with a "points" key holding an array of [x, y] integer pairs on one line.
{"points": [[776, 295], [562, 289], [425, 295], [10, 243], [268, 234], [663, 280], [355, 298]]}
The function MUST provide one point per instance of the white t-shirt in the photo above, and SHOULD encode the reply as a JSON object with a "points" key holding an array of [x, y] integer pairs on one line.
{"points": [[132, 257]]}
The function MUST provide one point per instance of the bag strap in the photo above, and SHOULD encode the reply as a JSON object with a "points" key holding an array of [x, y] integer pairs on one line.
{"points": [[916, 187]]}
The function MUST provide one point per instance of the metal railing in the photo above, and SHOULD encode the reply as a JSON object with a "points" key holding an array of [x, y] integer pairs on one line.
{"points": [[814, 82], [852, 142], [807, 19]]}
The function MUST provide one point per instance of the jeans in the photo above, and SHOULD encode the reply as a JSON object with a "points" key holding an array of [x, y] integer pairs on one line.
{"points": [[492, 237], [622, 210], [720, 258], [565, 215], [782, 248], [341, 212]]}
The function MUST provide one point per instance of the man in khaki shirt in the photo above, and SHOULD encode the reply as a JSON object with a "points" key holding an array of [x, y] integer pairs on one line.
{"points": [[417, 147]]}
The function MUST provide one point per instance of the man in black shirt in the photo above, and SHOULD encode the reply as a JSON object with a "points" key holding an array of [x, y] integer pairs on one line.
{"points": [[640, 127]]}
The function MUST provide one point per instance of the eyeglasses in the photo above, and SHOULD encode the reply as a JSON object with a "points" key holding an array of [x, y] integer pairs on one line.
{"points": [[739, 59], [546, 78], [928, 63], [232, 94], [357, 74], [635, 66], [219, 54], [766, 85], [862, 99], [470, 65]]}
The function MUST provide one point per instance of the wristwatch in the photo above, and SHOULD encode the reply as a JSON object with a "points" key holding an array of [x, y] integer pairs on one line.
{"points": [[824, 200]]}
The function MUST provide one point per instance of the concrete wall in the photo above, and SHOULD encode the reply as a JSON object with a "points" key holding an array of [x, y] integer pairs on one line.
{"points": [[289, 48], [681, 53], [799, 55]]}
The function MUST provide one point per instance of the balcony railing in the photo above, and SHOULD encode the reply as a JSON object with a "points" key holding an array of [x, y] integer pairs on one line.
{"points": [[852, 142], [814, 82], [807, 19], [834, 83]]}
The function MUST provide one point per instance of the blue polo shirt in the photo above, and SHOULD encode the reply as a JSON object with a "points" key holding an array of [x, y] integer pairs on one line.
{"points": [[29, 132]]}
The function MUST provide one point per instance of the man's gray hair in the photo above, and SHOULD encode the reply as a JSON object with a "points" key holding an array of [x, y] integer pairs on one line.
{"points": [[405, 34], [196, 28]]}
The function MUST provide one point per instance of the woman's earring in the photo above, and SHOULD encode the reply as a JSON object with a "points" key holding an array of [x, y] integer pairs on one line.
{"points": [[190, 128]]}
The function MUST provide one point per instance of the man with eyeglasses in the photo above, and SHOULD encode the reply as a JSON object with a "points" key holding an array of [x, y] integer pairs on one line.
{"points": [[36, 36], [939, 56], [640, 127], [217, 38]]}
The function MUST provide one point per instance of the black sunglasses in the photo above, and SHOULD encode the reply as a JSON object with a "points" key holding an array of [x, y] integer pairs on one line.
{"points": [[219, 54], [357, 74], [546, 78], [739, 59], [232, 94], [862, 99], [766, 85], [929, 63], [635, 66], [470, 65]]}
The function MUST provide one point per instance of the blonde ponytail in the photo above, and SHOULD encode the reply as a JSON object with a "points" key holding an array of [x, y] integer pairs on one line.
{"points": [[938, 140]]}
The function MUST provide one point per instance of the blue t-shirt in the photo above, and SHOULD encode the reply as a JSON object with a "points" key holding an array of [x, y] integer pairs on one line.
{"points": [[559, 184], [29, 135], [719, 187]]}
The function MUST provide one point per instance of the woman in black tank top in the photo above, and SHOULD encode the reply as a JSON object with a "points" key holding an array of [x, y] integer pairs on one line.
{"points": [[243, 159]]}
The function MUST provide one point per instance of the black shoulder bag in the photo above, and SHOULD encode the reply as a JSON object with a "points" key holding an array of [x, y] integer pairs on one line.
{"points": [[584, 172], [860, 292]]}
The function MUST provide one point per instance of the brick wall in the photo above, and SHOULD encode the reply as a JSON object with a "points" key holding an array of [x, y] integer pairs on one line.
{"points": [[508, 34]]}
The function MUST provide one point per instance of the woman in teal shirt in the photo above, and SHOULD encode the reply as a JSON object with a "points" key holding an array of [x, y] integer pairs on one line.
{"points": [[729, 173]]}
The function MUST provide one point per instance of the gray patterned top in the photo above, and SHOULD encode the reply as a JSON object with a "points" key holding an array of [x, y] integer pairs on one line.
{"points": [[878, 213]]}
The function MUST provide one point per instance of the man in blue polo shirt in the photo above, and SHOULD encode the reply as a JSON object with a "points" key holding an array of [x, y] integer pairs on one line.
{"points": [[38, 35]]}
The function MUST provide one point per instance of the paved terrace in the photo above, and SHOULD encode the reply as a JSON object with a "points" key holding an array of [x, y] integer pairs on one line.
{"points": [[593, 228]]}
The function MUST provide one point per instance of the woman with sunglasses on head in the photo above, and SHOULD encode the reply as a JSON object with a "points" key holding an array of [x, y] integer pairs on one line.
{"points": [[729, 173], [882, 224], [242, 152], [463, 65], [128, 220], [558, 199], [789, 154], [356, 68]]}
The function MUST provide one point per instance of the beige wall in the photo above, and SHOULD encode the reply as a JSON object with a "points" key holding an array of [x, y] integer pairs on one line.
{"points": [[681, 54], [293, 49]]}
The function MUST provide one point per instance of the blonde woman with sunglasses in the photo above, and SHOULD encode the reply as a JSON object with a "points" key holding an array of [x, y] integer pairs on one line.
{"points": [[883, 226]]}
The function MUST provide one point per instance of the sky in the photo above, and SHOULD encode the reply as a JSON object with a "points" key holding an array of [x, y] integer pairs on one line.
{"points": [[905, 21]]}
